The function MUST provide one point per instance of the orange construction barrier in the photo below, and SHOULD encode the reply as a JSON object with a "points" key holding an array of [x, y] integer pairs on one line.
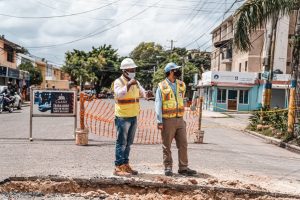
{"points": [[98, 117]]}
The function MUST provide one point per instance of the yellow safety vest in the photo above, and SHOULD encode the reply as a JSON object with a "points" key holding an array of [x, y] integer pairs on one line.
{"points": [[128, 105], [172, 106]]}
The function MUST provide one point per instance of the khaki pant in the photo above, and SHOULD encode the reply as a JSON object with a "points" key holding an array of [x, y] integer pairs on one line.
{"points": [[174, 128]]}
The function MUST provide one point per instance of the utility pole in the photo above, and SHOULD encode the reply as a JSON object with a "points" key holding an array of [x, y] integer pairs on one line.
{"points": [[182, 68], [270, 41], [295, 77], [172, 44]]}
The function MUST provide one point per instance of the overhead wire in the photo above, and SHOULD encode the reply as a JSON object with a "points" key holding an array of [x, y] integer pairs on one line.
{"points": [[59, 16], [97, 33], [199, 37], [207, 21]]}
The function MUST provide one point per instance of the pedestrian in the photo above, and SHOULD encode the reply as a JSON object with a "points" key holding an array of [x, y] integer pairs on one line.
{"points": [[127, 91], [169, 107]]}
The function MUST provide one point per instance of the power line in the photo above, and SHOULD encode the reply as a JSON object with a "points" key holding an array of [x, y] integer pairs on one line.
{"points": [[236, 1], [59, 16], [206, 22], [94, 34]]}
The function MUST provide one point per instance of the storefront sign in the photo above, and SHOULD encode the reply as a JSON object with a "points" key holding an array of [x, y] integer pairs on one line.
{"points": [[228, 77], [281, 77], [54, 102], [13, 73], [3, 71]]}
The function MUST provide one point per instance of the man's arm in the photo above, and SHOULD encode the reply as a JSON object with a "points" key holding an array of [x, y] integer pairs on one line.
{"points": [[158, 106], [143, 92], [119, 89]]}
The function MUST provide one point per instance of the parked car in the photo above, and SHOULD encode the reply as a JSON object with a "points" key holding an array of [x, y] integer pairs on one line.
{"points": [[18, 99]]}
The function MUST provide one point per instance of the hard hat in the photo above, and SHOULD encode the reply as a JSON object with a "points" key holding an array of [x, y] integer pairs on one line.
{"points": [[171, 66], [128, 63]]}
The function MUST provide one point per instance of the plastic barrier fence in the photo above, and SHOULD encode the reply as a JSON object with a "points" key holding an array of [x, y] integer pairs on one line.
{"points": [[99, 119]]}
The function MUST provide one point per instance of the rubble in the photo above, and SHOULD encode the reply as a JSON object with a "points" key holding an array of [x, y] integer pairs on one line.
{"points": [[164, 188]]}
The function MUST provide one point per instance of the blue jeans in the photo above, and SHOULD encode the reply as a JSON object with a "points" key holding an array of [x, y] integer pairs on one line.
{"points": [[126, 128]]}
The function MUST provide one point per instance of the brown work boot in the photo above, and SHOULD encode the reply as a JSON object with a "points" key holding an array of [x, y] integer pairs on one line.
{"points": [[130, 170], [121, 171]]}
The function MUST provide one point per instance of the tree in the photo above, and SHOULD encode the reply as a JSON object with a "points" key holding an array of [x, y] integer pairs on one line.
{"points": [[180, 57], [105, 66], [201, 60], [98, 66], [148, 56], [36, 77], [76, 66], [255, 14]]}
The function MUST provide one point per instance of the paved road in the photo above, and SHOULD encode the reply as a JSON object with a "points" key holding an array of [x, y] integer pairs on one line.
{"points": [[228, 154]]}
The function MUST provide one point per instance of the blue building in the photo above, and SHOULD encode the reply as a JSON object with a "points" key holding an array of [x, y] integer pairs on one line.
{"points": [[240, 91]]}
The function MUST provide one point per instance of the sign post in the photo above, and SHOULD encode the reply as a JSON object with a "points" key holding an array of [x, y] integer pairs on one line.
{"points": [[52, 103]]}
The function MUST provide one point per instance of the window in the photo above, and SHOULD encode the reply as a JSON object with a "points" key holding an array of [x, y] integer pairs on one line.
{"points": [[240, 67], [221, 97], [49, 70], [244, 96], [246, 66], [10, 53]]}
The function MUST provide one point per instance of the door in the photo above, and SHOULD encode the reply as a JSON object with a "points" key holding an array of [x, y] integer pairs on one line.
{"points": [[232, 99]]}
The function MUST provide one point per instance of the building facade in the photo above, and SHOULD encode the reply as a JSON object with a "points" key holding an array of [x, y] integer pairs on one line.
{"points": [[235, 82], [9, 71]]}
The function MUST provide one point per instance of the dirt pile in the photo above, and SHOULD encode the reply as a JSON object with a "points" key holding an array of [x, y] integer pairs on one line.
{"points": [[113, 189]]}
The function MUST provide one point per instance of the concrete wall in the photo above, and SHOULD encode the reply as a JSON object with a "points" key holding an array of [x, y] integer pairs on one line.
{"points": [[282, 41]]}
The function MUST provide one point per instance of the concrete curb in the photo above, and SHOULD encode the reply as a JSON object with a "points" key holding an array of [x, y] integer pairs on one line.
{"points": [[276, 142]]}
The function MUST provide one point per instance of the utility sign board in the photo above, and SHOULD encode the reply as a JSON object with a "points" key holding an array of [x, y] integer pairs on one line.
{"points": [[54, 102], [62, 102]]}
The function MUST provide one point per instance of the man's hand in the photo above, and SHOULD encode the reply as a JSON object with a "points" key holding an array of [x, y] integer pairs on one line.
{"points": [[149, 95], [130, 83], [160, 126]]}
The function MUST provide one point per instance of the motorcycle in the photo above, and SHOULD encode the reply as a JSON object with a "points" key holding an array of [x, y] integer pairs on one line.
{"points": [[7, 103]]}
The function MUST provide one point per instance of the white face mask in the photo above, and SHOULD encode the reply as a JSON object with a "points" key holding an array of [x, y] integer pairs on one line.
{"points": [[131, 75]]}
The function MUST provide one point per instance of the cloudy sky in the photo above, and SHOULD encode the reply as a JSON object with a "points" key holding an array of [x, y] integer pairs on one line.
{"points": [[49, 28]]}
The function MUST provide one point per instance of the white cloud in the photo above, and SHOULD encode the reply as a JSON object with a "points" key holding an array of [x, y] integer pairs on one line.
{"points": [[170, 19]]}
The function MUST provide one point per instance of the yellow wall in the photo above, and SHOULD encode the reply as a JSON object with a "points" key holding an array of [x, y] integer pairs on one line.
{"points": [[42, 67]]}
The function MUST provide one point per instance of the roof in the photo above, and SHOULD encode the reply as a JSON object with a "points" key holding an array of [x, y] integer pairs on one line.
{"points": [[13, 45], [230, 18]]}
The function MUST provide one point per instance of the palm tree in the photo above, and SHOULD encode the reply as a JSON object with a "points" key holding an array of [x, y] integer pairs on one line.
{"points": [[255, 14]]}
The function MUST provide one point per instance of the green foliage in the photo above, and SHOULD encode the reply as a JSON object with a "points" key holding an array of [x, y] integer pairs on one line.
{"points": [[254, 14], [274, 118], [99, 66], [202, 61], [36, 77], [147, 55]]}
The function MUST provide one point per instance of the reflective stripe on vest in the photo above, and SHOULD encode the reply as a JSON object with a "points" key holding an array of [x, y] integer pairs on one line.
{"points": [[128, 105], [127, 101], [172, 105]]}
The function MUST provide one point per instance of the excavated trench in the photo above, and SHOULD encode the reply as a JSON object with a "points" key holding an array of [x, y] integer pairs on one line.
{"points": [[116, 188]]}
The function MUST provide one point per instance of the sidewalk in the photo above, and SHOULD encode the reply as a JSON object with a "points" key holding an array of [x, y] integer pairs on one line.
{"points": [[211, 114]]}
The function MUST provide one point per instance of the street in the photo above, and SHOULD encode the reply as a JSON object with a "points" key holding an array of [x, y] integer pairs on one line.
{"points": [[228, 154]]}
